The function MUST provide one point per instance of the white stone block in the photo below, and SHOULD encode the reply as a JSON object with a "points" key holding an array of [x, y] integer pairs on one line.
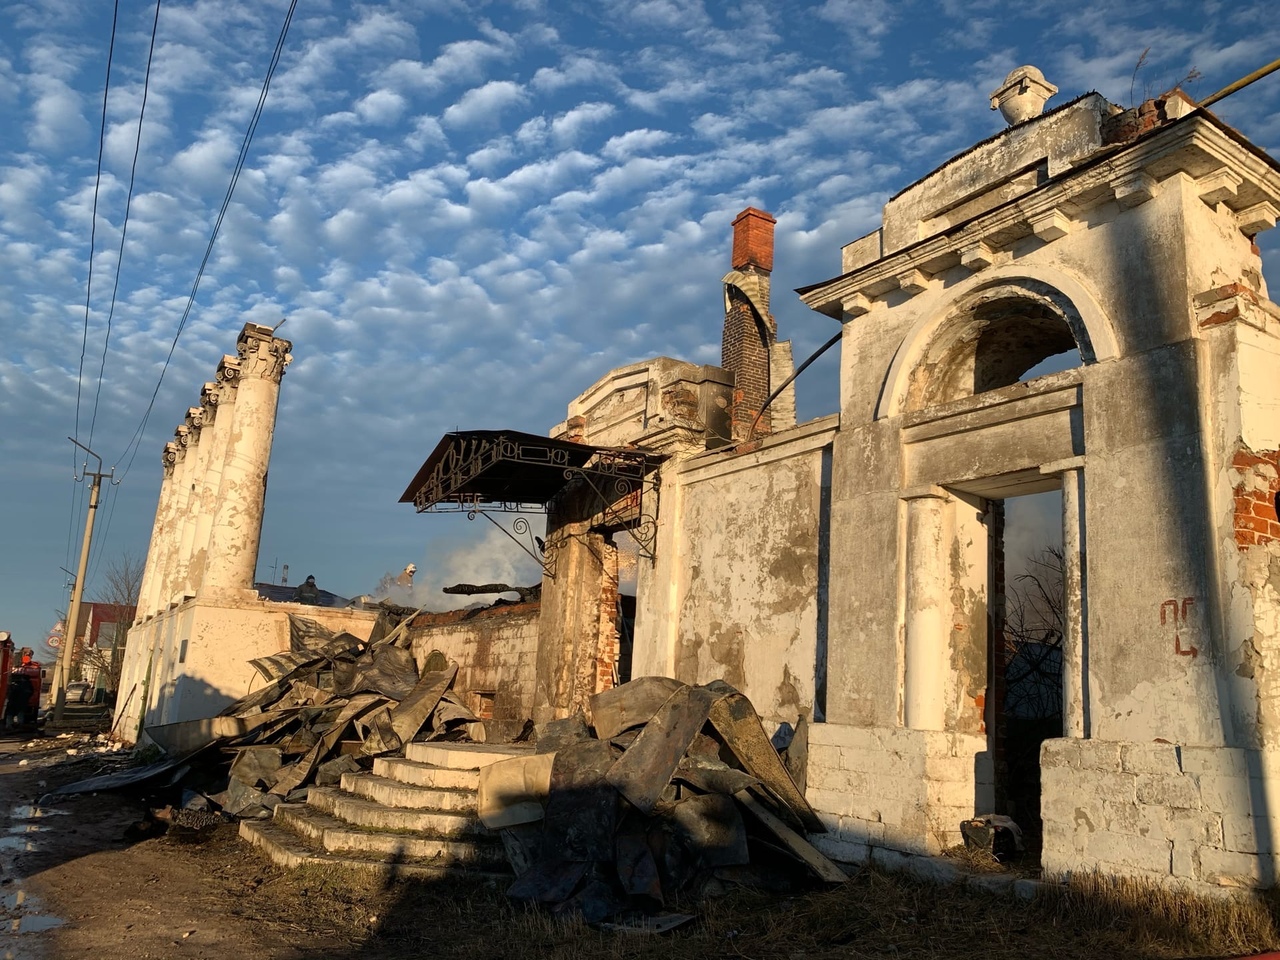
{"points": [[1219, 761], [1226, 795], [1101, 755], [1248, 834], [1150, 758], [1130, 853], [1179, 791], [1230, 869], [842, 851], [1186, 860]]}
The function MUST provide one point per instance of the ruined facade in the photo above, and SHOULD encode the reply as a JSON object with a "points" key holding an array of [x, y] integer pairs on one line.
{"points": [[844, 569], [199, 619]]}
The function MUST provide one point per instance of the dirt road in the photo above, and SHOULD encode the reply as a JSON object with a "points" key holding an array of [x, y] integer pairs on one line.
{"points": [[78, 880]]}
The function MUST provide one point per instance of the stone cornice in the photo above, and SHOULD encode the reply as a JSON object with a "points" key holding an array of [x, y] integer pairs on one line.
{"points": [[262, 355], [1226, 173]]}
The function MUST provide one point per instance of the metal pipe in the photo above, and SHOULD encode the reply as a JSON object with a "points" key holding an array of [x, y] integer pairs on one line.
{"points": [[1240, 84], [787, 382]]}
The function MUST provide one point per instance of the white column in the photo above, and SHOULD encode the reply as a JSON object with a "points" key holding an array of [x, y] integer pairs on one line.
{"points": [[220, 397], [148, 597], [237, 524], [928, 602], [1074, 642], [173, 539], [198, 458]]}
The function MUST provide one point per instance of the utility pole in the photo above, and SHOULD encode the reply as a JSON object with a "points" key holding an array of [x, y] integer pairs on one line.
{"points": [[62, 670]]}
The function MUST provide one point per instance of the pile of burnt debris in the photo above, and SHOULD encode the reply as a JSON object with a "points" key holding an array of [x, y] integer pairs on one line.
{"points": [[664, 793], [329, 702]]}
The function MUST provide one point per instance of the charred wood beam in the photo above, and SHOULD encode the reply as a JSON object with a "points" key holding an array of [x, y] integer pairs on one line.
{"points": [[471, 589]]}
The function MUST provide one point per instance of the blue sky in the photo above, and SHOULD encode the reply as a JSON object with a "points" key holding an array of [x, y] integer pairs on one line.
{"points": [[468, 211]]}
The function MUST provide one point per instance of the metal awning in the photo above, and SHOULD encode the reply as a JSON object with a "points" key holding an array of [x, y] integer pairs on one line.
{"points": [[505, 470]]}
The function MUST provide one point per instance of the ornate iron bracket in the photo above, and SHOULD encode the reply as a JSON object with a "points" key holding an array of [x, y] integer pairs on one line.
{"points": [[624, 507], [541, 553]]}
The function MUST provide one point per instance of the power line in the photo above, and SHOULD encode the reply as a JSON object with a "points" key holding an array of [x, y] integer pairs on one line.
{"points": [[93, 223], [124, 225], [88, 295], [136, 440]]}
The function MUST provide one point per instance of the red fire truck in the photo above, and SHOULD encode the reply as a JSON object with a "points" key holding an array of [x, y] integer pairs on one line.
{"points": [[19, 683]]}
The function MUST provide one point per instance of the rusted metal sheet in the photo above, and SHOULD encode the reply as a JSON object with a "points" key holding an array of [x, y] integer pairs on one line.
{"points": [[411, 713], [558, 734], [380, 736], [637, 870], [713, 776], [549, 881], [581, 817], [738, 723], [795, 844], [385, 669], [712, 828], [643, 772], [255, 765], [630, 704]]}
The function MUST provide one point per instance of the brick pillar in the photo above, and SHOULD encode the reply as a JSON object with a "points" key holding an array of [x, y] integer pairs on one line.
{"points": [[749, 329]]}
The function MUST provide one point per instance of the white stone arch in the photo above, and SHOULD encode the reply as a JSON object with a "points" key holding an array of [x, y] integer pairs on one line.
{"points": [[1093, 330]]}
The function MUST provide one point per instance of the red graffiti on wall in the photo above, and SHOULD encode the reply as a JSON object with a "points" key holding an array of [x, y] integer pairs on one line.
{"points": [[1172, 612]]}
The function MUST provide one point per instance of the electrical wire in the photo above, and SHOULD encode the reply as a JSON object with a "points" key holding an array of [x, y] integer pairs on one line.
{"points": [[135, 441], [73, 510], [93, 223], [124, 225]]}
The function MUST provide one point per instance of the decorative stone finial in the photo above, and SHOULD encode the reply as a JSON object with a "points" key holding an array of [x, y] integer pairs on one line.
{"points": [[1022, 95]]}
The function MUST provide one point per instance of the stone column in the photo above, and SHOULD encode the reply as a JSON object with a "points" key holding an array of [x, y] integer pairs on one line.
{"points": [[197, 460], [1074, 645], [237, 524], [928, 600], [220, 396], [186, 460], [148, 595]]}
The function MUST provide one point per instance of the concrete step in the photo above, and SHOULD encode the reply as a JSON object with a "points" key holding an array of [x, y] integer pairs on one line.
{"points": [[464, 756], [393, 793], [286, 849], [426, 774], [339, 836], [364, 812]]}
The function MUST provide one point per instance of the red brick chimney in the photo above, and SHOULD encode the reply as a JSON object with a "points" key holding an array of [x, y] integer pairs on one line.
{"points": [[749, 329], [753, 240]]}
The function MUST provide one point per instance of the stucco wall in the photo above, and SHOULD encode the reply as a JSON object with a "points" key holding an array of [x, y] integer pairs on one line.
{"points": [[748, 583]]}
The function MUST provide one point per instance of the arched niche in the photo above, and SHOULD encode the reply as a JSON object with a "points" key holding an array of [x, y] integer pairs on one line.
{"points": [[990, 333]]}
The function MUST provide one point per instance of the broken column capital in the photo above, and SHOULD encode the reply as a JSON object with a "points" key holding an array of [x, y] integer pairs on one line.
{"points": [[169, 458], [262, 355]]}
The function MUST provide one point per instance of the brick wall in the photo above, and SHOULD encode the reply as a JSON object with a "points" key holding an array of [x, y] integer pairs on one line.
{"points": [[496, 652], [744, 352], [749, 330], [1256, 487]]}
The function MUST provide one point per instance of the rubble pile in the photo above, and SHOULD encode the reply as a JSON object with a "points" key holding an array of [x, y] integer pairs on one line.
{"points": [[331, 700], [665, 791]]}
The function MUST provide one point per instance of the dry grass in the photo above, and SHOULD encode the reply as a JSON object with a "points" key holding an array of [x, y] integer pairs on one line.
{"points": [[874, 915]]}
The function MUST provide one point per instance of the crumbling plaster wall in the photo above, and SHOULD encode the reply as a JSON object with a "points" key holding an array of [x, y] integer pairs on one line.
{"points": [[1180, 607], [496, 650], [748, 575]]}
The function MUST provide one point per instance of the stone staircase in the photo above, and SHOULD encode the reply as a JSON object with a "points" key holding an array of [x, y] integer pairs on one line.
{"points": [[414, 816]]}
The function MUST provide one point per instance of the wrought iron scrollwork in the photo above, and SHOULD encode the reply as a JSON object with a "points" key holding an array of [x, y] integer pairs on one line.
{"points": [[625, 508], [540, 552]]}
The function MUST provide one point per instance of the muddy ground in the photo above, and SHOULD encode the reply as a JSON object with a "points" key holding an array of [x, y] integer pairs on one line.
{"points": [[80, 879]]}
